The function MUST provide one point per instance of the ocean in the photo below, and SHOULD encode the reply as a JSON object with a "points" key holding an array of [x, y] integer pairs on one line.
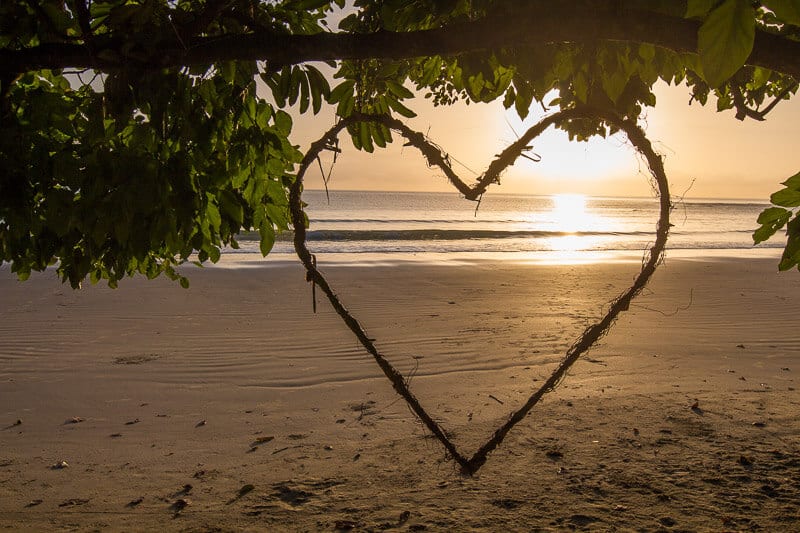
{"points": [[356, 225]]}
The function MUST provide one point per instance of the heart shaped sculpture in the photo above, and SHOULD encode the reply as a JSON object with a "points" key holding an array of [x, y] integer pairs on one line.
{"points": [[435, 157]]}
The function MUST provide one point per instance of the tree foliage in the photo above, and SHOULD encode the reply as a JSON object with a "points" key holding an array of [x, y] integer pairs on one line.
{"points": [[138, 133]]}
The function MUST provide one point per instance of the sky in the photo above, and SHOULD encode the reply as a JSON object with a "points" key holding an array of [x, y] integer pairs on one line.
{"points": [[707, 154]]}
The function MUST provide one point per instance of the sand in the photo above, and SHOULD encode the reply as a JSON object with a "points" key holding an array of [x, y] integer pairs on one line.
{"points": [[231, 406]]}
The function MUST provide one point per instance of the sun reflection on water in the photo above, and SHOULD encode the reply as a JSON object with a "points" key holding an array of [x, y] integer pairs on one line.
{"points": [[575, 224]]}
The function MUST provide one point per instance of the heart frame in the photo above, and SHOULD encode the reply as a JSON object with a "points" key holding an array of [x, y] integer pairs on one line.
{"points": [[435, 157]]}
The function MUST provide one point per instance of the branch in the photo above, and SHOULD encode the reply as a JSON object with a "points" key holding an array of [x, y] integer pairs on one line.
{"points": [[529, 27], [742, 111], [84, 19], [431, 152]]}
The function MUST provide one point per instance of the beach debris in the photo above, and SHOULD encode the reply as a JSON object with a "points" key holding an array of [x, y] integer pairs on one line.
{"points": [[554, 454], [696, 407], [506, 503], [201, 423], [73, 502], [199, 474], [495, 398], [345, 525], [745, 460], [179, 505], [186, 489], [759, 424], [19, 422], [132, 422], [356, 457], [136, 359], [59, 465], [740, 346], [327, 447], [134, 503], [115, 435], [620, 508], [262, 440], [363, 408], [341, 421], [244, 490], [403, 518], [34, 503], [74, 420], [293, 496]]}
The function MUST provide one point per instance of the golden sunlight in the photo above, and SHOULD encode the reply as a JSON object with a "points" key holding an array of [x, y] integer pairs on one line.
{"points": [[569, 212], [570, 217]]}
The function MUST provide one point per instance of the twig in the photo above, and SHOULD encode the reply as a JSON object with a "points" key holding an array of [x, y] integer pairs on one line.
{"points": [[673, 313]]}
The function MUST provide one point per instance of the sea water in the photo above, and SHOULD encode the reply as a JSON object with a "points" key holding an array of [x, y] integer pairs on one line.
{"points": [[346, 225]]}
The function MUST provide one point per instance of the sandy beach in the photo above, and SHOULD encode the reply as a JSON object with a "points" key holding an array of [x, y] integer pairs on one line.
{"points": [[231, 406]]}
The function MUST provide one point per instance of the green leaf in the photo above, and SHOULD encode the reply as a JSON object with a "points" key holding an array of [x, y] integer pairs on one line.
{"points": [[304, 94], [524, 98], [793, 182], [341, 91], [786, 198], [786, 10], [791, 254], [212, 213], [725, 40], [230, 206], [283, 121], [399, 108], [267, 238], [771, 219], [398, 90]]}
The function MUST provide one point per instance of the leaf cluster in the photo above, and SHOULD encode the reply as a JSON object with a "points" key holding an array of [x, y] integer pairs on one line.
{"points": [[138, 177], [778, 216]]}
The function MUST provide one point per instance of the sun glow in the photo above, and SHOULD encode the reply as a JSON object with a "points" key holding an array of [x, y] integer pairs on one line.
{"points": [[572, 221], [569, 212]]}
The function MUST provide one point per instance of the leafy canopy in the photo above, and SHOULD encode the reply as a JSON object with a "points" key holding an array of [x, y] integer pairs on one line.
{"points": [[137, 133]]}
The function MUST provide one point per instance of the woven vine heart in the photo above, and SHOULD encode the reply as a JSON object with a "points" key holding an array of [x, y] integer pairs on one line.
{"points": [[506, 158]]}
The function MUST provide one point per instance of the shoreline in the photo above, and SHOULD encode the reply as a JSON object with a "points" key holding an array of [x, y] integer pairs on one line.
{"points": [[551, 258], [684, 414]]}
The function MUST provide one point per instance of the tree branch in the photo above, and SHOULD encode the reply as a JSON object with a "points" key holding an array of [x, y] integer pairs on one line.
{"points": [[534, 26], [742, 111]]}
